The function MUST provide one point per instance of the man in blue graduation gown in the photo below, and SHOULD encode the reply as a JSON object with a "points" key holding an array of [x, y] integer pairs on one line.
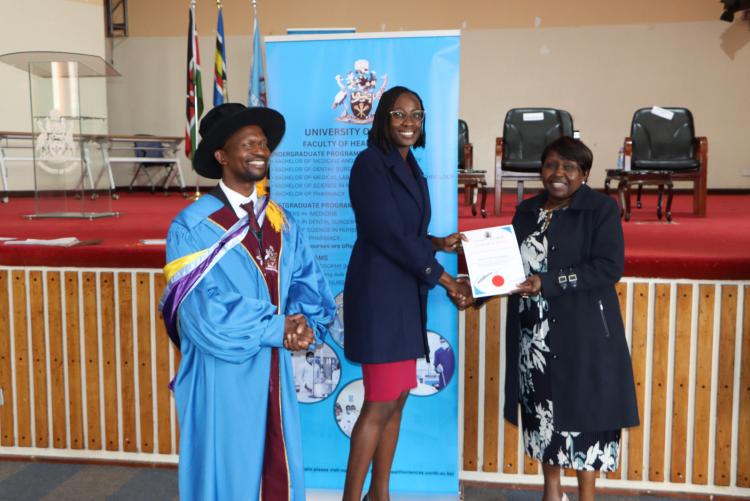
{"points": [[244, 291]]}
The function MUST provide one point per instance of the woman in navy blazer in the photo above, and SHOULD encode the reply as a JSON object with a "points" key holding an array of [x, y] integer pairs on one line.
{"points": [[568, 363], [392, 267]]}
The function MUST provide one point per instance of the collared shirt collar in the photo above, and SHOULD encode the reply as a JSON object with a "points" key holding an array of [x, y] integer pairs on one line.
{"points": [[237, 199]]}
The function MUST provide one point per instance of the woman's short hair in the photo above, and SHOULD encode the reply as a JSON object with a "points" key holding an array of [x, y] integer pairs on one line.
{"points": [[380, 133], [571, 149]]}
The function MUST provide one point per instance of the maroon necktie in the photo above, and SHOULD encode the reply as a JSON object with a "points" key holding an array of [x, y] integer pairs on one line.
{"points": [[250, 209]]}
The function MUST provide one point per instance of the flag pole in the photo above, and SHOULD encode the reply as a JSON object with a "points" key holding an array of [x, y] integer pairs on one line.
{"points": [[193, 37]]}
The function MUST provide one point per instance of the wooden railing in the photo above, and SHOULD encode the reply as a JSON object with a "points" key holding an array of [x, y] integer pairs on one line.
{"points": [[85, 363]]}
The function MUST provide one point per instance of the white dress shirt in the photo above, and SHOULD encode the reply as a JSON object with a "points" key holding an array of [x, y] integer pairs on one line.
{"points": [[237, 199]]}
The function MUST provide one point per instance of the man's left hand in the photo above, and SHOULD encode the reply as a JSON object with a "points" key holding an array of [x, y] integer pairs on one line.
{"points": [[298, 335]]}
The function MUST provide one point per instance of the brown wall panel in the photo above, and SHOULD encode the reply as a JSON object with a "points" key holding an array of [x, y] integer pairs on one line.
{"points": [[510, 448], [638, 350], [703, 383], [92, 361], [23, 359], [622, 297], [127, 370], [109, 360], [743, 438], [492, 352], [38, 360], [471, 389], [163, 371], [145, 379], [7, 438], [660, 359], [73, 332], [56, 360], [530, 466], [725, 386], [681, 385]]}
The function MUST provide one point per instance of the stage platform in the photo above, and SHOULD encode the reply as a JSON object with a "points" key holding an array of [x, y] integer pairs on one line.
{"points": [[715, 247]]}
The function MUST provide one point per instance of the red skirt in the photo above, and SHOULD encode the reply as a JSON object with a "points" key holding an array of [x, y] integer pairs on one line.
{"points": [[386, 382]]}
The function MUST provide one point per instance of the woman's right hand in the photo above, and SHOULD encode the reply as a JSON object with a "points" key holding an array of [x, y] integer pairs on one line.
{"points": [[451, 243]]}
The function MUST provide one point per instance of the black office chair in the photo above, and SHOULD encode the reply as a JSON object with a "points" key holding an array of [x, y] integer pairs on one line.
{"points": [[518, 154], [151, 151], [473, 181], [665, 144], [663, 148]]}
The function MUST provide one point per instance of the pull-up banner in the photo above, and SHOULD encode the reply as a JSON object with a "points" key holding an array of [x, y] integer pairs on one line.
{"points": [[328, 87]]}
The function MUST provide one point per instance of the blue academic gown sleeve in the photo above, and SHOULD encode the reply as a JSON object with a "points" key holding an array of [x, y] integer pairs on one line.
{"points": [[309, 292], [224, 323]]}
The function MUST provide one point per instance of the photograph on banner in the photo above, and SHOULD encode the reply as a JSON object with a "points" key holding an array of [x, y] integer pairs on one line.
{"points": [[316, 373], [336, 330], [348, 405], [328, 116], [436, 374]]}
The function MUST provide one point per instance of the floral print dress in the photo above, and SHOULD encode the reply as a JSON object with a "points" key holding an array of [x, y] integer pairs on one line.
{"points": [[542, 440]]}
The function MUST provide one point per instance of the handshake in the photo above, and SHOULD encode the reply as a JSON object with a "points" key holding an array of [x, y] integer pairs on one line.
{"points": [[297, 334], [460, 293]]}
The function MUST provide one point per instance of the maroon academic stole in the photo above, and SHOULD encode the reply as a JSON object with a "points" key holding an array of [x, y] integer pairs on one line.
{"points": [[264, 248]]}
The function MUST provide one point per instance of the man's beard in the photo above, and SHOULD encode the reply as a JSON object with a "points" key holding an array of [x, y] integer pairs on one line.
{"points": [[252, 177]]}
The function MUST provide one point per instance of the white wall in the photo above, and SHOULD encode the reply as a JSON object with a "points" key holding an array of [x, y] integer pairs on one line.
{"points": [[149, 98], [601, 74]]}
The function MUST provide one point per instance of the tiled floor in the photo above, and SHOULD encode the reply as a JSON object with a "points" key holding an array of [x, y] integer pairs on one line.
{"points": [[32, 481]]}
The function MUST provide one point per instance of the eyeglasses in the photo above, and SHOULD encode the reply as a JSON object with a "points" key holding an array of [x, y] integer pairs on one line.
{"points": [[400, 115]]}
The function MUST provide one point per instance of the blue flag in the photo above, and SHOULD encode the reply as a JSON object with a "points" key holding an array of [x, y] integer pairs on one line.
{"points": [[256, 95], [220, 65]]}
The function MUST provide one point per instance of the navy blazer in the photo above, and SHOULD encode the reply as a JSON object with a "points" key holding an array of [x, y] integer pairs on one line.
{"points": [[393, 264], [592, 376]]}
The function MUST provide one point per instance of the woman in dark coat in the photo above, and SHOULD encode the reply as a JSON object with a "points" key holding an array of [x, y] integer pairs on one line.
{"points": [[568, 363], [391, 269]]}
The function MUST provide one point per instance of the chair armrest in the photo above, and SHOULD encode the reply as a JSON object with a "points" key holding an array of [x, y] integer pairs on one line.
{"points": [[700, 185], [701, 153], [627, 152], [498, 153], [468, 156], [498, 173], [700, 143], [627, 147]]}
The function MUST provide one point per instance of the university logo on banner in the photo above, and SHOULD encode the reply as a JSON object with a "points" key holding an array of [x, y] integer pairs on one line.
{"points": [[358, 93]]}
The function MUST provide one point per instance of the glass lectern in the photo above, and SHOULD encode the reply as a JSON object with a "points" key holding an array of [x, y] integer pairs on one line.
{"points": [[68, 114]]}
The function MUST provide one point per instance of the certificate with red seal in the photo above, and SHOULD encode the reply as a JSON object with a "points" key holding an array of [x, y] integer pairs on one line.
{"points": [[493, 260]]}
